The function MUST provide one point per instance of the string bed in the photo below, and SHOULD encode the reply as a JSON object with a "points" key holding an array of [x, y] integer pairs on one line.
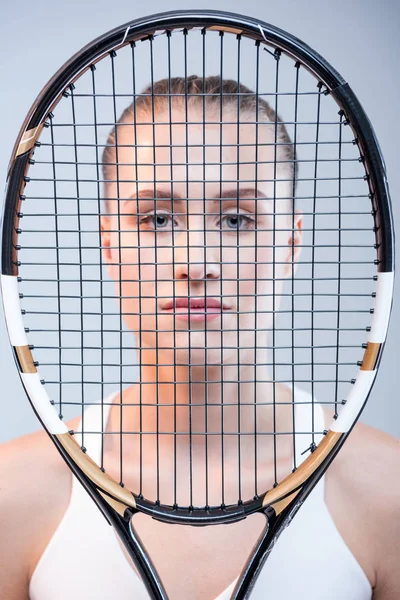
{"points": [[304, 332]]}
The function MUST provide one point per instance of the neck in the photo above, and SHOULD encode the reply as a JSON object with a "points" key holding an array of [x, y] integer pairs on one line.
{"points": [[202, 416], [173, 397]]}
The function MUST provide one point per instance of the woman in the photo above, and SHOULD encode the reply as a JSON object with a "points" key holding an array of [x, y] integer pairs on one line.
{"points": [[199, 234]]}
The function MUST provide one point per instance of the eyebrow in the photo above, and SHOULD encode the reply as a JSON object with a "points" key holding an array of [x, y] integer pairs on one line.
{"points": [[227, 194]]}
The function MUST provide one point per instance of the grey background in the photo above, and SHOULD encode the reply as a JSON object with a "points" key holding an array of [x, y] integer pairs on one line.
{"points": [[359, 38]]}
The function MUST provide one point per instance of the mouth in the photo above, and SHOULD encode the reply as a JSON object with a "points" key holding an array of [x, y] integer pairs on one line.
{"points": [[195, 309]]}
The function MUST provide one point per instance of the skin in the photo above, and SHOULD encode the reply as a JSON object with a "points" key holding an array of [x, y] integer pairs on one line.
{"points": [[196, 255], [362, 485]]}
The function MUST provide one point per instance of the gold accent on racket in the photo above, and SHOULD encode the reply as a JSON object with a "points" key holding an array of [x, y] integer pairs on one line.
{"points": [[305, 470], [370, 356], [225, 28], [28, 140], [282, 504], [25, 359], [93, 471], [117, 506]]}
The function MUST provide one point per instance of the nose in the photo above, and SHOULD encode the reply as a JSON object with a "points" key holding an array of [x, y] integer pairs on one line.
{"points": [[192, 260]]}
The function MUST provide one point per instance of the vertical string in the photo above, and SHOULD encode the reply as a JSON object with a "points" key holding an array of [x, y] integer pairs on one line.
{"points": [[135, 146], [173, 258], [257, 46], [339, 265], [113, 54], [313, 258], [293, 209], [57, 240], [96, 141], [78, 211], [153, 116], [277, 56], [221, 33], [205, 265], [189, 276], [238, 37]]}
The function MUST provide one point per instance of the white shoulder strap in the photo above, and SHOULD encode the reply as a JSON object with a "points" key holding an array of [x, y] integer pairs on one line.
{"points": [[95, 423]]}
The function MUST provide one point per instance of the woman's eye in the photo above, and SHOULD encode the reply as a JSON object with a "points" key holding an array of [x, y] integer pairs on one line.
{"points": [[157, 221], [237, 222]]}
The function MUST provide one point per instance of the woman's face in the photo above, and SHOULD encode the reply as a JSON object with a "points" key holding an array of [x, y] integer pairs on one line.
{"points": [[214, 235]]}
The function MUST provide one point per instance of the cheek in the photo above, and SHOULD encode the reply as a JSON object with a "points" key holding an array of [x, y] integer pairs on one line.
{"points": [[271, 271], [124, 268], [129, 279], [143, 284], [130, 262], [257, 265], [258, 278]]}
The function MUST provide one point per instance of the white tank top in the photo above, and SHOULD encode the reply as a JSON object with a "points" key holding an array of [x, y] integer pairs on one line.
{"points": [[310, 560]]}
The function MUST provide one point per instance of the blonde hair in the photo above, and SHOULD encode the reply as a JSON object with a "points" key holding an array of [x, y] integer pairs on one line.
{"points": [[209, 92]]}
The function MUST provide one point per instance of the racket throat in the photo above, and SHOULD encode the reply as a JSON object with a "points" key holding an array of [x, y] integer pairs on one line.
{"points": [[258, 556], [139, 556]]}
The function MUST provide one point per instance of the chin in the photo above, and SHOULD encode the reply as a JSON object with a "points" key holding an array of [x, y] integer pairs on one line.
{"points": [[197, 355]]}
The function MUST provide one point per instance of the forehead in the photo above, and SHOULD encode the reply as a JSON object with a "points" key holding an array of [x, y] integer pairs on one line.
{"points": [[200, 155]]}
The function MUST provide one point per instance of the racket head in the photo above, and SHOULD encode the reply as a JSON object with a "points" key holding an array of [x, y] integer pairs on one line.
{"points": [[289, 491]]}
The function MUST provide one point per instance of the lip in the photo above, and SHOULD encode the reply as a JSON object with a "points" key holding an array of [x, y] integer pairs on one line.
{"points": [[193, 303], [195, 309]]}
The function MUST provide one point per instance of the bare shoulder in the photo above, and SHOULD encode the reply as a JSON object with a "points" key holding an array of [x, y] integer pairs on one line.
{"points": [[363, 484], [369, 465], [35, 486]]}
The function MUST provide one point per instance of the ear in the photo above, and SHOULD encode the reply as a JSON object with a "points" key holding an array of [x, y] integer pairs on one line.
{"points": [[294, 243], [105, 238]]}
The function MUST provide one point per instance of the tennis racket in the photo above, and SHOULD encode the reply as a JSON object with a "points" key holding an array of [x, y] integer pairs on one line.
{"points": [[197, 240]]}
